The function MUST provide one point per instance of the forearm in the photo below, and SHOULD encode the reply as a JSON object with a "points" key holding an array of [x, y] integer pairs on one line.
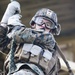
{"points": [[25, 36]]}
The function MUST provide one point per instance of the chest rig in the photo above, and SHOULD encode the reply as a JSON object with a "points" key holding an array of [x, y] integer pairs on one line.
{"points": [[35, 54], [40, 53]]}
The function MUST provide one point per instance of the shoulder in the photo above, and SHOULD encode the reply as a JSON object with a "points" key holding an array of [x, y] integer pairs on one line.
{"points": [[51, 37], [48, 37]]}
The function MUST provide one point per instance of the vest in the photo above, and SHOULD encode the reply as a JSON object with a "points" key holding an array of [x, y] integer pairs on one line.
{"points": [[43, 58], [40, 53]]}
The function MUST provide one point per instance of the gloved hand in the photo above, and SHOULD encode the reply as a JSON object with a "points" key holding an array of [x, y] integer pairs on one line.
{"points": [[12, 8], [13, 32], [15, 20]]}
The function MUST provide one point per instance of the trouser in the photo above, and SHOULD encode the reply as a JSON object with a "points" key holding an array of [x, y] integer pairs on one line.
{"points": [[25, 69], [24, 72]]}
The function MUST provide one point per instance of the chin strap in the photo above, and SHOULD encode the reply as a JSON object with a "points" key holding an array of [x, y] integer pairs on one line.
{"points": [[63, 57]]}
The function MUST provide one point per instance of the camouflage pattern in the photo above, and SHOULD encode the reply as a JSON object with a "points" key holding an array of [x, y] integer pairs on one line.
{"points": [[30, 36], [4, 45], [50, 16], [45, 41]]}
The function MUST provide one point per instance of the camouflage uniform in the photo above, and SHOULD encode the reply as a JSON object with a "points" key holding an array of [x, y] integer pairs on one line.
{"points": [[38, 49]]}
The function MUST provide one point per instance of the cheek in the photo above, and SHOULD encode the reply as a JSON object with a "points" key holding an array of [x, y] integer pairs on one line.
{"points": [[37, 27], [40, 26]]}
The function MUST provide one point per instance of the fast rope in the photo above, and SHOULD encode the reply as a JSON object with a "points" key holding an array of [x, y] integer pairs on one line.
{"points": [[12, 66], [63, 57]]}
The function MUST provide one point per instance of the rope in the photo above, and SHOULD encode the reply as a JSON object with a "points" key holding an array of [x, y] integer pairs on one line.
{"points": [[12, 65], [63, 57]]}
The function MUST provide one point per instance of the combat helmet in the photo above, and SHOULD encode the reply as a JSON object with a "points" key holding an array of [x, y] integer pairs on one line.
{"points": [[49, 15]]}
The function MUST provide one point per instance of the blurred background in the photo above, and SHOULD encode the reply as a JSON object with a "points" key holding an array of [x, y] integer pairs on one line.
{"points": [[65, 10]]}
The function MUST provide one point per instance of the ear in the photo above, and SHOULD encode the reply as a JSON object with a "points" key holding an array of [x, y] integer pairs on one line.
{"points": [[33, 26]]}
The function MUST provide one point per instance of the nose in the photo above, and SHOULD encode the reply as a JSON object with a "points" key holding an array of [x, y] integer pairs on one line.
{"points": [[43, 25]]}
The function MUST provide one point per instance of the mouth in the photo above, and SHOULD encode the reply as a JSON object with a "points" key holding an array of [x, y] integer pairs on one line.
{"points": [[40, 30]]}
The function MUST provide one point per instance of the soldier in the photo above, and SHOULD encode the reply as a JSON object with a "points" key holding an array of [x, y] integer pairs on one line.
{"points": [[35, 47]]}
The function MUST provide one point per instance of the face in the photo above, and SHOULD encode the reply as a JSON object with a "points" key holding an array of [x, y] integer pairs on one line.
{"points": [[43, 24]]}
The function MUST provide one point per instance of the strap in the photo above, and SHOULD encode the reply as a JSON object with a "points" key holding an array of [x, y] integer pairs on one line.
{"points": [[51, 71], [63, 57]]}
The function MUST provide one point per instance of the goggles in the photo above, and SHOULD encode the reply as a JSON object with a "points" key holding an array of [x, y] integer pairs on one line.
{"points": [[42, 21]]}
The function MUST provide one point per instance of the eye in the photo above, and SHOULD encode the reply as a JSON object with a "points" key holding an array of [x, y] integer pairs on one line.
{"points": [[32, 23], [48, 25]]}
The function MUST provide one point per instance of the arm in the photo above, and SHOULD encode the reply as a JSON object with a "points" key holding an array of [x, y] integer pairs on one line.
{"points": [[47, 41], [11, 9], [24, 36]]}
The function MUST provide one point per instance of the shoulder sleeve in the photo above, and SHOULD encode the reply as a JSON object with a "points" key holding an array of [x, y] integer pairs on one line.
{"points": [[46, 41]]}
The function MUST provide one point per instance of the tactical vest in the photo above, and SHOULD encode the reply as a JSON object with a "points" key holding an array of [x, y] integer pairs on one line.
{"points": [[40, 53], [43, 58]]}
